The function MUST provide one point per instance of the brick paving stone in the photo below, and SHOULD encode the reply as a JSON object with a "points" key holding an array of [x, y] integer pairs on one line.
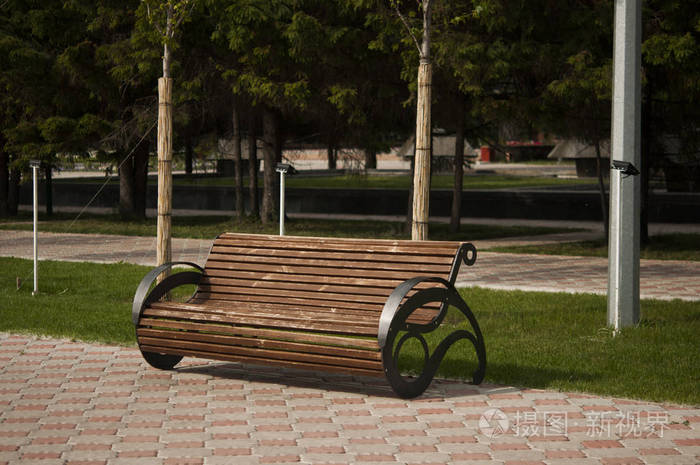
{"points": [[214, 413]]}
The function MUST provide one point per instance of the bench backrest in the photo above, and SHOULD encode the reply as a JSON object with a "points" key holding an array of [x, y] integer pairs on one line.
{"points": [[350, 275]]}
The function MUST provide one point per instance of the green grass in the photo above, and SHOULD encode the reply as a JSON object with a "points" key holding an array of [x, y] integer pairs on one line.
{"points": [[208, 227], [85, 301], [662, 247], [536, 340], [360, 181], [560, 341], [479, 181]]}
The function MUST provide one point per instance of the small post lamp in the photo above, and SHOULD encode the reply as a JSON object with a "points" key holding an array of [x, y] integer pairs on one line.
{"points": [[282, 169], [35, 164]]}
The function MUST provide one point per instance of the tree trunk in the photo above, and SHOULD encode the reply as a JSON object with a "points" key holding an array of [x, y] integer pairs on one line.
{"points": [[253, 166], [370, 159], [165, 154], [409, 208], [421, 176], [332, 152], [165, 173], [269, 141], [189, 154], [13, 191], [126, 189], [4, 181], [601, 189], [459, 174], [140, 179], [237, 160], [48, 185], [279, 140]]}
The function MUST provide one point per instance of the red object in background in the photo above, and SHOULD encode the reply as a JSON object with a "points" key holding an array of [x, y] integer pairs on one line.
{"points": [[486, 153]]}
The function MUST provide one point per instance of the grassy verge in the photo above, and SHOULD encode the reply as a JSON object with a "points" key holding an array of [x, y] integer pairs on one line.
{"points": [[374, 181], [471, 181], [208, 227], [663, 247], [538, 340]]}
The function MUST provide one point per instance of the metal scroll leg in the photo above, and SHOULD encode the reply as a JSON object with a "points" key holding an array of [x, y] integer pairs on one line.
{"points": [[161, 361], [390, 352]]}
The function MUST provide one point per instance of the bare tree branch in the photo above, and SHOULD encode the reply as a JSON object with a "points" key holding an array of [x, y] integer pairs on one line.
{"points": [[408, 28], [151, 20]]}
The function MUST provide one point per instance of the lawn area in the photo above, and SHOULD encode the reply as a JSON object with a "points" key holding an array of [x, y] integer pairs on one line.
{"points": [[471, 181], [374, 181], [537, 340], [208, 227], [663, 247]]}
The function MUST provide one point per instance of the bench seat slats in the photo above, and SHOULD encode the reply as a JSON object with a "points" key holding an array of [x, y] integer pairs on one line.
{"points": [[272, 344], [294, 336], [318, 271], [265, 353], [309, 295], [293, 304], [186, 351], [346, 313], [319, 317], [265, 321]]}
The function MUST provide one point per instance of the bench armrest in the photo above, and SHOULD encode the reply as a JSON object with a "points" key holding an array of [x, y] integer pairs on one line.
{"points": [[393, 304], [142, 298]]}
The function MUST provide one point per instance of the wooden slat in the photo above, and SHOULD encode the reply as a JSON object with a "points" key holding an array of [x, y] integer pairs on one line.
{"points": [[339, 264], [334, 243], [264, 354], [300, 303], [267, 321], [320, 279], [275, 280], [374, 257], [264, 311], [286, 294], [346, 314], [258, 342], [219, 284], [314, 270], [260, 361], [295, 336]]}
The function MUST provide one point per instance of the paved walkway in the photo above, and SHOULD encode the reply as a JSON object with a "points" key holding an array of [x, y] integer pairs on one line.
{"points": [[72, 403], [660, 279]]}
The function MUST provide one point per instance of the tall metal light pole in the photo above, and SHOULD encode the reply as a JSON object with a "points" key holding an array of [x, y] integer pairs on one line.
{"points": [[625, 185]]}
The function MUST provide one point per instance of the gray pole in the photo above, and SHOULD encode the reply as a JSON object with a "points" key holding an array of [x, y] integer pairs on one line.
{"points": [[625, 186], [35, 204], [281, 203]]}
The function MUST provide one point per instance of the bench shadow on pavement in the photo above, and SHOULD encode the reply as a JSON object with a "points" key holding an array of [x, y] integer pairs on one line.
{"points": [[284, 378]]}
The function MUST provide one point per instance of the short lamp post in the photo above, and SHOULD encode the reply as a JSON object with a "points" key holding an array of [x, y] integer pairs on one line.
{"points": [[282, 169], [34, 164]]}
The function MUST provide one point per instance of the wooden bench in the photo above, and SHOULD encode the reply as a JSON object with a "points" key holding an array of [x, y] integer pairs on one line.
{"points": [[343, 305]]}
